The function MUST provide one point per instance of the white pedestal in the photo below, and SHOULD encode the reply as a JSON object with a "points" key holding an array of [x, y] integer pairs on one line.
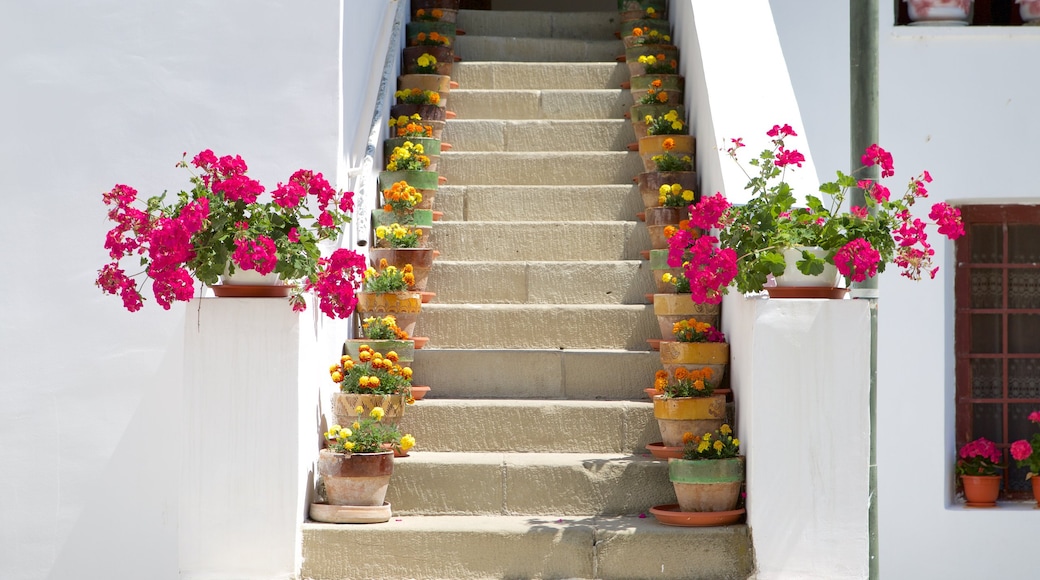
{"points": [[801, 379], [240, 486]]}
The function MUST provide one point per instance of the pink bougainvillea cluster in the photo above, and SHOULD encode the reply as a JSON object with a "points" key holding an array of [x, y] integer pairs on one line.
{"points": [[859, 242], [221, 225]]}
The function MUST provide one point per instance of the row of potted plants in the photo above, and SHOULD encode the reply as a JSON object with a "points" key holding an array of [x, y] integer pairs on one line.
{"points": [[980, 462]]}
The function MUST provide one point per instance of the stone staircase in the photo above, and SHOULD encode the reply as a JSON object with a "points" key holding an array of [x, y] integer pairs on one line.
{"points": [[531, 459]]}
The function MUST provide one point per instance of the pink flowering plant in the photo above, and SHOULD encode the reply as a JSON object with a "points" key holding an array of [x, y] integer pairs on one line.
{"points": [[859, 241], [1027, 452], [221, 225], [980, 457]]}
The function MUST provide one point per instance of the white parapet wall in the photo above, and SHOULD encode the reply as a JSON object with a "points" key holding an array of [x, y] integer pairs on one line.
{"points": [[800, 371]]}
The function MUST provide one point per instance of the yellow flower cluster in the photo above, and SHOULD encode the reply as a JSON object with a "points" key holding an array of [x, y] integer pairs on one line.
{"points": [[674, 195], [339, 435], [418, 96], [409, 156], [646, 36], [384, 328], [658, 64], [376, 365], [410, 127], [426, 64], [397, 236], [388, 278]]}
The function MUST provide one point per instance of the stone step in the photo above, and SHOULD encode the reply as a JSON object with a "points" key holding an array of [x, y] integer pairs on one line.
{"points": [[538, 326], [606, 282], [499, 203], [561, 484], [539, 135], [469, 547], [536, 373], [505, 425], [540, 241], [530, 24], [540, 104], [524, 49], [538, 76], [542, 168]]}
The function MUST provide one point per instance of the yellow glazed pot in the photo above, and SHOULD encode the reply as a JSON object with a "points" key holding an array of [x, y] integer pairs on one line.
{"points": [[697, 415]]}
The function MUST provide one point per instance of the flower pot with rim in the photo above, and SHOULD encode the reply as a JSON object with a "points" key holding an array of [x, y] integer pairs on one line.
{"points": [[639, 85], [421, 219], [355, 479], [415, 27], [981, 490], [794, 284], [405, 306], [421, 260], [632, 20], [427, 182], [429, 114], [650, 184], [696, 355], [638, 115], [678, 415], [1029, 10], [659, 266], [652, 145], [344, 406], [671, 308], [940, 12], [440, 84], [445, 15], [445, 56], [707, 485]]}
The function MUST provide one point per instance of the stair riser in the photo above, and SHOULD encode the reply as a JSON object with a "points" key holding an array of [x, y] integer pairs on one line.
{"points": [[515, 484], [539, 135], [578, 326], [536, 374], [540, 104], [539, 203], [538, 547], [539, 76], [514, 49], [568, 25], [576, 169], [502, 426], [541, 282], [534, 241]]}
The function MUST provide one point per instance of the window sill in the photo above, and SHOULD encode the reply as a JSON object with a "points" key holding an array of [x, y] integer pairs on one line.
{"points": [[1002, 506], [1008, 32]]}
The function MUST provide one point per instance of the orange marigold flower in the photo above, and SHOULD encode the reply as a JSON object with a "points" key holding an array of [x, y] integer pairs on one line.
{"points": [[656, 83], [669, 231], [687, 437], [421, 36], [698, 385], [662, 97], [681, 373], [637, 31], [660, 384], [668, 144], [661, 374]]}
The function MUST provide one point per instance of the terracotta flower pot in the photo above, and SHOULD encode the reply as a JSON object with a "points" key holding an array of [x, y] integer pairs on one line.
{"points": [[981, 490], [431, 148], [421, 260], [650, 184], [445, 56], [696, 355], [652, 145], [632, 54], [344, 406], [659, 266], [359, 479], [640, 84], [707, 485], [405, 306], [697, 415], [415, 27], [638, 115], [671, 308], [440, 84], [427, 112]]}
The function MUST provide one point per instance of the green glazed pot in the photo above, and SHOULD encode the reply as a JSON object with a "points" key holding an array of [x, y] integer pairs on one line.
{"points": [[707, 485]]}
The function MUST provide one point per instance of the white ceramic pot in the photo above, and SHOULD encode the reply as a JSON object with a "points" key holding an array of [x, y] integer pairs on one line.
{"points": [[1029, 10], [792, 277], [942, 12], [248, 278]]}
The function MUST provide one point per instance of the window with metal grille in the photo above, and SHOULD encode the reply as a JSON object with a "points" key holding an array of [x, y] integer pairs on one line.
{"points": [[997, 342]]}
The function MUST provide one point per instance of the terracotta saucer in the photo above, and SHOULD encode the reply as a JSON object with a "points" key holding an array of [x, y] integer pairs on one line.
{"points": [[645, 254], [420, 341], [350, 514], [659, 451], [670, 515], [427, 296], [419, 391], [251, 291], [976, 504], [806, 292], [655, 343]]}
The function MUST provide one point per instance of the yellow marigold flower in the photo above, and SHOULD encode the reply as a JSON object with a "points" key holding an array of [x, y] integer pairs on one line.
{"points": [[377, 413], [392, 356], [363, 381], [667, 279], [358, 410], [406, 372], [348, 445], [725, 430], [707, 437], [373, 382], [356, 425], [344, 433], [677, 125], [736, 442], [687, 195], [718, 445], [650, 11], [668, 144], [703, 446], [347, 366], [676, 189], [365, 356], [333, 368], [337, 377], [381, 232], [334, 429], [407, 442], [665, 190]]}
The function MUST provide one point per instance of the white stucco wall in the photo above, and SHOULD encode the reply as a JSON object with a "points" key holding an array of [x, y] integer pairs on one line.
{"points": [[954, 101], [111, 92]]}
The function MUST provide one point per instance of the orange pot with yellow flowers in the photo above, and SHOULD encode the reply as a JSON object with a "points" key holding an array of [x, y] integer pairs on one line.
{"points": [[371, 380], [687, 403]]}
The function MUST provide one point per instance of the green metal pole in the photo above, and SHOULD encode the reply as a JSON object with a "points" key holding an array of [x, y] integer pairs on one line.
{"points": [[863, 117]]}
